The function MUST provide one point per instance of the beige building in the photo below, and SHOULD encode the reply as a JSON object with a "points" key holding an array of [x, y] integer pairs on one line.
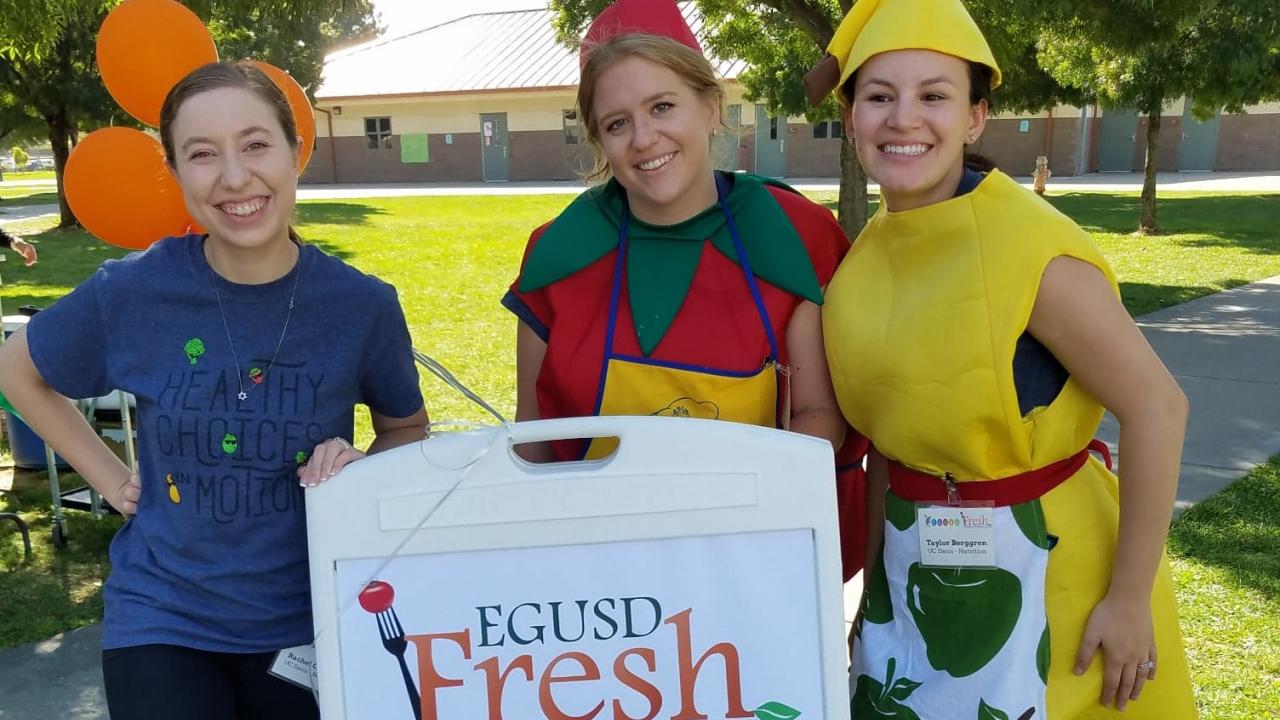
{"points": [[490, 97]]}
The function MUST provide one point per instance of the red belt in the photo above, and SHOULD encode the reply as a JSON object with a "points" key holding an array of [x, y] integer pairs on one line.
{"points": [[917, 486]]}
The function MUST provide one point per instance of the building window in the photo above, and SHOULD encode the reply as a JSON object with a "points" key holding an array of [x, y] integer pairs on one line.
{"points": [[378, 130], [572, 128], [833, 129], [773, 128]]}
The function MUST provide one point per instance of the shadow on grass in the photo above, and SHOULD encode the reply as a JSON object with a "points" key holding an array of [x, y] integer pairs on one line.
{"points": [[42, 198], [873, 204], [56, 589], [351, 212], [1237, 530], [1142, 298], [1208, 221], [328, 247]]}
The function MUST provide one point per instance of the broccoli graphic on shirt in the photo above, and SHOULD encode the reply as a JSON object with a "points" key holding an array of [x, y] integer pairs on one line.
{"points": [[194, 349]]}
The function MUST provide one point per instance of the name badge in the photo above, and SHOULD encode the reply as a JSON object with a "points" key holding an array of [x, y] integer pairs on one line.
{"points": [[297, 665], [957, 535]]}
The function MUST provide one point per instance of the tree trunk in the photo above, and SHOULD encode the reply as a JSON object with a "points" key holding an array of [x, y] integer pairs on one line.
{"points": [[61, 128], [853, 191], [60, 138], [1147, 225]]}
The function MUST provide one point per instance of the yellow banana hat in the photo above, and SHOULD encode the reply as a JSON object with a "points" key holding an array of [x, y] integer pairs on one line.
{"points": [[876, 26]]}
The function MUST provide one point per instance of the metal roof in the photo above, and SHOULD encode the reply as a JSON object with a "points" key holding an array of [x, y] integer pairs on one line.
{"points": [[477, 53]]}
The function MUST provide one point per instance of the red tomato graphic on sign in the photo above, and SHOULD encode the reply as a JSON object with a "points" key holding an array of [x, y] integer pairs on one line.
{"points": [[377, 596]]}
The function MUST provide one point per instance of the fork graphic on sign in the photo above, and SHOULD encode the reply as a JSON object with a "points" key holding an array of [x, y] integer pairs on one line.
{"points": [[376, 598]]}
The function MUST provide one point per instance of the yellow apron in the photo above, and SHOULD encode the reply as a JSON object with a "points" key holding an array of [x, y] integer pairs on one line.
{"points": [[632, 385]]}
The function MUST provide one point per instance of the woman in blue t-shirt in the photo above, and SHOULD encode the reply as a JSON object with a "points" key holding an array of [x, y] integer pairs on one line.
{"points": [[247, 352]]}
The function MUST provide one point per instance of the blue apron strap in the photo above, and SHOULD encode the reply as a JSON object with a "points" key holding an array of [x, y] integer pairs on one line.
{"points": [[722, 192], [614, 294]]}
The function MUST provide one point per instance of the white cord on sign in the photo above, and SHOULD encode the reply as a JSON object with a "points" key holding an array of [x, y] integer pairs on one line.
{"points": [[465, 469], [449, 379]]}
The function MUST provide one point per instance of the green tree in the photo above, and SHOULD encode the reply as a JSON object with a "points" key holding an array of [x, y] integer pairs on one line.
{"points": [[782, 39], [293, 36], [20, 156], [1027, 87], [1146, 55], [48, 68]]}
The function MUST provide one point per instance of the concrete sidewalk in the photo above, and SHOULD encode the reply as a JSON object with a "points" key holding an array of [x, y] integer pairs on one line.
{"points": [[1224, 351], [18, 213], [58, 678], [1222, 348], [1093, 182]]}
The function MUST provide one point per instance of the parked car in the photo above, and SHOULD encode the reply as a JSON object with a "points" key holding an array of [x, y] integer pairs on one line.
{"points": [[39, 164]]}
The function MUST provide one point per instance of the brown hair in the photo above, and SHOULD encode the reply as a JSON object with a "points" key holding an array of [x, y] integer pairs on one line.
{"points": [[218, 75], [980, 77], [684, 61]]}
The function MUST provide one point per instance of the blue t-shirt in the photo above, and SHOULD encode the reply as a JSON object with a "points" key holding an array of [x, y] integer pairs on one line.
{"points": [[216, 557]]}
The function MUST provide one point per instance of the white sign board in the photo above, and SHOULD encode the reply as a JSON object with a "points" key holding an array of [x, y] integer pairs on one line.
{"points": [[695, 573]]}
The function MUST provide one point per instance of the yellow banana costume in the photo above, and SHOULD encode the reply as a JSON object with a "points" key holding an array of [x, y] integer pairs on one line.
{"points": [[922, 322]]}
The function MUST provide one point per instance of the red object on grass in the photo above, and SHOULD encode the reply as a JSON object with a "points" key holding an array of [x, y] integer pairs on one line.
{"points": [[377, 596]]}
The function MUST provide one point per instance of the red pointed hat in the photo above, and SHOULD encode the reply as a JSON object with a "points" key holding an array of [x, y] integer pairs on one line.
{"points": [[629, 17]]}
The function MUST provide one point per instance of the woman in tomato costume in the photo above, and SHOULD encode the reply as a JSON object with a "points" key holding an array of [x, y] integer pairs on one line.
{"points": [[672, 288]]}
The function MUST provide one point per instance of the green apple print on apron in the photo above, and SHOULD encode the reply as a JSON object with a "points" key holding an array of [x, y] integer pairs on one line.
{"points": [[955, 642]]}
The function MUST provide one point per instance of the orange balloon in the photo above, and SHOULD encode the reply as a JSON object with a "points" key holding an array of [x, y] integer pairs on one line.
{"points": [[303, 115], [144, 48], [121, 190]]}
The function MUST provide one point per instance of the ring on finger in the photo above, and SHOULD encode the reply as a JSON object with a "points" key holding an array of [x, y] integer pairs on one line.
{"points": [[1146, 666], [343, 442]]}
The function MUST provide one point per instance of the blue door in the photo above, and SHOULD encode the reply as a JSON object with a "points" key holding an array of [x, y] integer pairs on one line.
{"points": [[771, 132], [493, 146], [1199, 144], [1115, 141]]}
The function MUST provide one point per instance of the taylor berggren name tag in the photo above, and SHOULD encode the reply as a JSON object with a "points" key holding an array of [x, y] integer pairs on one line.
{"points": [[296, 665], [956, 536]]}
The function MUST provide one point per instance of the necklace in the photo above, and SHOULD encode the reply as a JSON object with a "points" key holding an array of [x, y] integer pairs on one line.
{"points": [[259, 377]]}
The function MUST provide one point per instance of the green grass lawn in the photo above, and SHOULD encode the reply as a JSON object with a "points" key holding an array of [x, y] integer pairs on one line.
{"points": [[1226, 566], [452, 258], [1213, 241], [54, 590], [36, 175], [27, 195]]}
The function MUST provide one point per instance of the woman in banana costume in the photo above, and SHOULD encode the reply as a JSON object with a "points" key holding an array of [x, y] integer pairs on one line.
{"points": [[975, 335]]}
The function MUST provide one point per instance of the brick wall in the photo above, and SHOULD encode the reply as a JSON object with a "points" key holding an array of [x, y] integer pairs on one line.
{"points": [[358, 163], [1245, 143], [810, 157], [533, 155], [1015, 152], [543, 155], [1248, 142]]}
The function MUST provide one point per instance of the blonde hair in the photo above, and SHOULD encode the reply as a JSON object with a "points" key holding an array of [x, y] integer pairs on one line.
{"points": [[684, 61]]}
